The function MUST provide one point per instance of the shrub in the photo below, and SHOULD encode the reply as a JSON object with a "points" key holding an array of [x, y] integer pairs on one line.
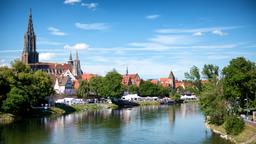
{"points": [[216, 118], [233, 125]]}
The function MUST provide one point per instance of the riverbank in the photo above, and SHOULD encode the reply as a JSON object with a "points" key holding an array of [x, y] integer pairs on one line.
{"points": [[247, 136], [58, 110], [147, 103]]}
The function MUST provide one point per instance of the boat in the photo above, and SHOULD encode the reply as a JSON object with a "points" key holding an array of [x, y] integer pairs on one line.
{"points": [[124, 103]]}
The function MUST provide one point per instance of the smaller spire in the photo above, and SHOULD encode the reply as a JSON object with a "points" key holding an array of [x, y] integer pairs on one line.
{"points": [[70, 56], [76, 55], [126, 70]]}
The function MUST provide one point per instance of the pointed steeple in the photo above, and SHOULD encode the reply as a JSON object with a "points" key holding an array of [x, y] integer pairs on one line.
{"points": [[127, 70], [70, 56], [77, 55], [70, 61], [29, 54], [30, 23]]}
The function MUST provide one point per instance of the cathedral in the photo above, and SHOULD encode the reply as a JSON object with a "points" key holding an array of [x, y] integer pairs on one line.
{"points": [[31, 57]]}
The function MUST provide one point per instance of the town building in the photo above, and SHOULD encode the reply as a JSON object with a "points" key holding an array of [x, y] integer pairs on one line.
{"points": [[169, 81], [131, 79]]}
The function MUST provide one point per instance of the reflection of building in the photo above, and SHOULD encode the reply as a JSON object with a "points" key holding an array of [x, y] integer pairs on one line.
{"points": [[171, 115], [30, 56], [188, 109]]}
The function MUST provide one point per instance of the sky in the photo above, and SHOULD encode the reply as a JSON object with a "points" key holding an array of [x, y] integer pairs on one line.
{"points": [[150, 37]]}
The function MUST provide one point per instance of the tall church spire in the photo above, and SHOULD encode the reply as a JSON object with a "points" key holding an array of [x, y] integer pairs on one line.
{"points": [[29, 54]]}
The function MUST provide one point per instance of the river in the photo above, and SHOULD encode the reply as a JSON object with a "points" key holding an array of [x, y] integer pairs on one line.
{"points": [[174, 124]]}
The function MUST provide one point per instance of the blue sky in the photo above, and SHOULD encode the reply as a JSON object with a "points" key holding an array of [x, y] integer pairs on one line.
{"points": [[151, 37]]}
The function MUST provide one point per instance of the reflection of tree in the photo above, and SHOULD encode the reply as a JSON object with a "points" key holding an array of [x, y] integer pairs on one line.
{"points": [[27, 132], [214, 139]]}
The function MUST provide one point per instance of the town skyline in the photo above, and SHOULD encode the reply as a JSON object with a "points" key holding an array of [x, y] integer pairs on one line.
{"points": [[150, 42]]}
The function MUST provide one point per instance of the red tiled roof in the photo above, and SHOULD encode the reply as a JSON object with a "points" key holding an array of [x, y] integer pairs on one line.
{"points": [[88, 76], [131, 79], [154, 81]]}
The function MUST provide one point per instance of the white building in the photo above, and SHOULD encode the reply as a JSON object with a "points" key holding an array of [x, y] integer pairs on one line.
{"points": [[131, 97]]}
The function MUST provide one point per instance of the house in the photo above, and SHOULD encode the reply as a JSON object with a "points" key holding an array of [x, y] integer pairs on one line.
{"points": [[168, 82], [64, 85], [131, 79], [69, 101]]}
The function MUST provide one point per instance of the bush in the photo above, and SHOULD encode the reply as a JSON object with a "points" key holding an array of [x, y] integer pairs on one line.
{"points": [[216, 118], [233, 125]]}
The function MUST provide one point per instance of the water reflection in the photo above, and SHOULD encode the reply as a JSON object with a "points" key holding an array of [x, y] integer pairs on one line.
{"points": [[151, 124]]}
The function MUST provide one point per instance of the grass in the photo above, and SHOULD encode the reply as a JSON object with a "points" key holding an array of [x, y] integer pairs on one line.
{"points": [[146, 103], [82, 107], [248, 135]]}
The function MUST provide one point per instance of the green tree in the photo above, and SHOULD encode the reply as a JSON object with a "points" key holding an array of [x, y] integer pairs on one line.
{"points": [[84, 89], [96, 85], [194, 77], [19, 66], [133, 89], [112, 86], [148, 89], [16, 102], [239, 82], [210, 71], [212, 102]]}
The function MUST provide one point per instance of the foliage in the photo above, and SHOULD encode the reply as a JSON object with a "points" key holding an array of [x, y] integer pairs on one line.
{"points": [[21, 88], [84, 89], [212, 102], [240, 81], [147, 88], [16, 102], [96, 85], [176, 96], [19, 66], [233, 125], [194, 77], [112, 86], [133, 89], [210, 71]]}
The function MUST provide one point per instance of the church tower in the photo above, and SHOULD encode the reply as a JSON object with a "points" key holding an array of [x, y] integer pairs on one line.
{"points": [[171, 80], [77, 71], [29, 54]]}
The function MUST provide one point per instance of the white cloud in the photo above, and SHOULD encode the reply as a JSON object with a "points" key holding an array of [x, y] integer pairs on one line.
{"points": [[78, 46], [47, 56], [91, 26], [171, 39], [195, 30], [71, 1], [197, 34], [3, 63], [91, 6], [56, 31], [152, 17], [219, 32], [45, 41]]}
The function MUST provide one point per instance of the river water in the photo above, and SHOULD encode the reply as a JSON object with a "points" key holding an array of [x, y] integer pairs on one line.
{"points": [[174, 124]]}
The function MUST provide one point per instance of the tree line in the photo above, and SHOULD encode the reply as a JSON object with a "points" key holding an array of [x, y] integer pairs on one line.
{"points": [[111, 86], [227, 94], [21, 88]]}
